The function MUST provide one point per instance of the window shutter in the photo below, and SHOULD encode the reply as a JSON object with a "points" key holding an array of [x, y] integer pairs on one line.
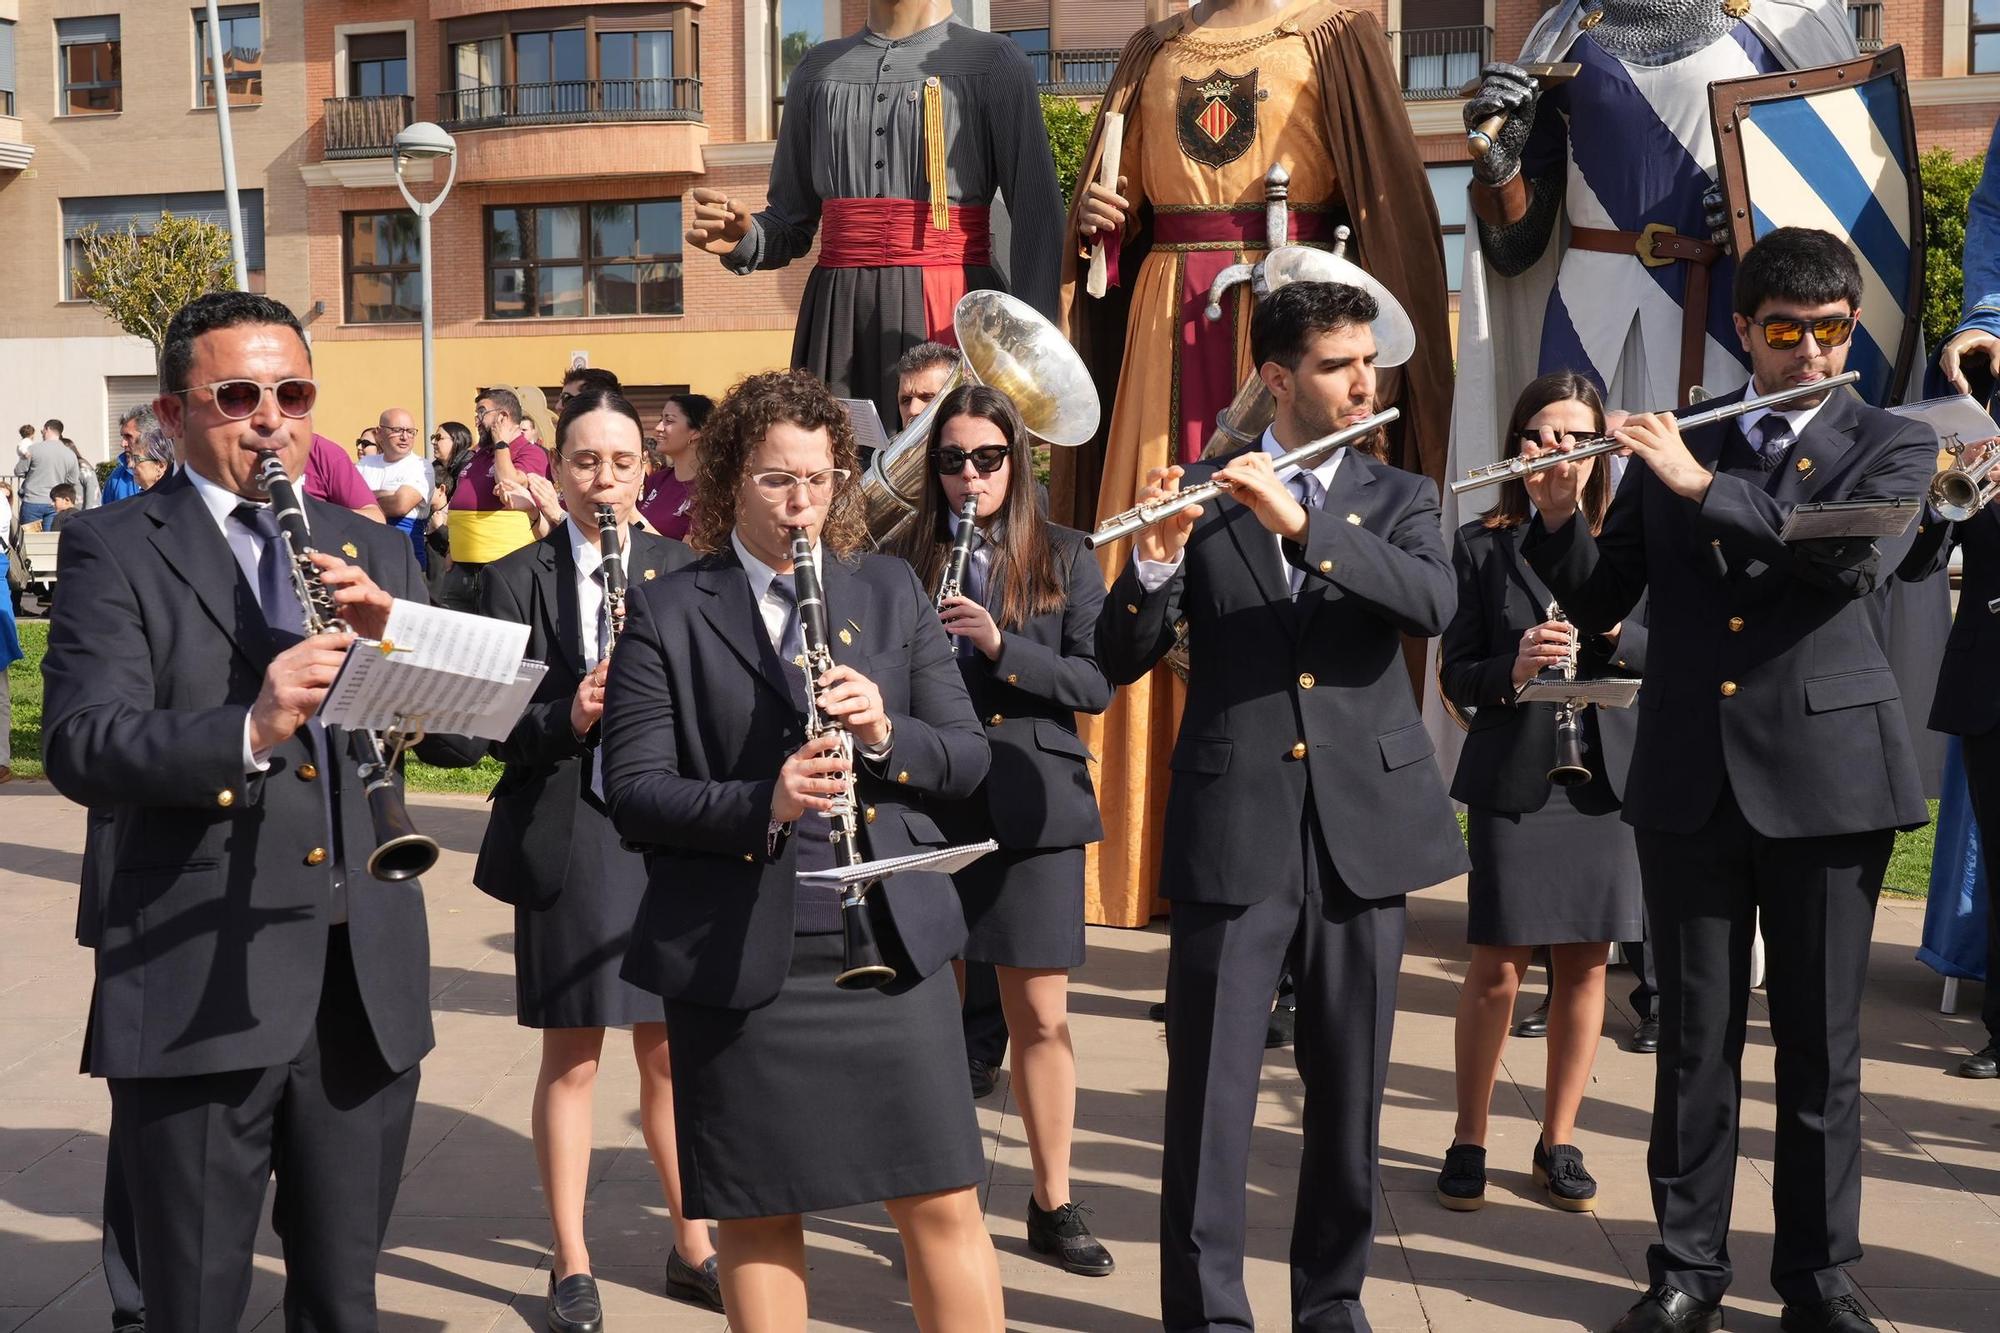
{"points": [[87, 31]]}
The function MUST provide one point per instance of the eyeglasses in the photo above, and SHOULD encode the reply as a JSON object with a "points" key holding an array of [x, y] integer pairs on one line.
{"points": [[623, 466], [239, 399], [779, 485], [399, 430], [987, 458], [1782, 335]]}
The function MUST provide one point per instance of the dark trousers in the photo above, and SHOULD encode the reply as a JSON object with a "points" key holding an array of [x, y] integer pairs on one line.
{"points": [[1344, 953], [985, 1023], [1982, 775], [1817, 900], [121, 1246], [458, 587], [332, 1125], [1646, 994]]}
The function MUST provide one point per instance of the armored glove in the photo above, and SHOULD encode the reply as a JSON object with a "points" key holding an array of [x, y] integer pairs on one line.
{"points": [[1508, 91]]}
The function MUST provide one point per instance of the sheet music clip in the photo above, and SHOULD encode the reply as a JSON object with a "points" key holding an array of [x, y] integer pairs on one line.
{"points": [[1605, 692], [1852, 518], [941, 860]]}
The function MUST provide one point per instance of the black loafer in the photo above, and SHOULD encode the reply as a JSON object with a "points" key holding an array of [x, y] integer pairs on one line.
{"points": [[1646, 1037], [1279, 1031], [1535, 1024], [1842, 1314], [1157, 1011], [701, 1286], [983, 1078], [1461, 1185], [573, 1305], [1981, 1064], [1063, 1233], [1566, 1185], [1667, 1309]]}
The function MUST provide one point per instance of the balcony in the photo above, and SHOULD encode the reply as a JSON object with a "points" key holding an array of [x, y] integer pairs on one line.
{"points": [[1079, 73], [1866, 16], [571, 102], [1437, 62], [365, 126]]}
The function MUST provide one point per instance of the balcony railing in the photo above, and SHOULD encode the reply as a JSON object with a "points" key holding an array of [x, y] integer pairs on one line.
{"points": [[1078, 73], [570, 102], [1437, 62], [1867, 18], [365, 126]]}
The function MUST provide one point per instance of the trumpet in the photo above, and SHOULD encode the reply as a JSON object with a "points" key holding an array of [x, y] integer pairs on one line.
{"points": [[1146, 514], [953, 583], [1507, 469], [400, 851], [1569, 770], [863, 968], [614, 571], [1958, 492]]}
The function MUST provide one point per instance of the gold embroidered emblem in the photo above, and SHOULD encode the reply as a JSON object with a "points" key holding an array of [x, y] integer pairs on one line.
{"points": [[1592, 19], [1736, 9]]}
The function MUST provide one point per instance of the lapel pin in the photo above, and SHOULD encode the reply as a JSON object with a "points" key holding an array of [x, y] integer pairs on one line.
{"points": [[649, 574], [800, 661], [1805, 467], [846, 638], [347, 549], [1355, 519]]}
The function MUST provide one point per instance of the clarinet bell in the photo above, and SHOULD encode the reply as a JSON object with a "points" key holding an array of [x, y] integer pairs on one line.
{"points": [[1569, 770], [1569, 775], [400, 851], [862, 966]]}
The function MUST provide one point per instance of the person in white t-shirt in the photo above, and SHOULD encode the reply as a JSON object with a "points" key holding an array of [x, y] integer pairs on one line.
{"points": [[400, 478]]}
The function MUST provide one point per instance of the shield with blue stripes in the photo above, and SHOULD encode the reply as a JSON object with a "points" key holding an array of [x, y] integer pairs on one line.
{"points": [[1835, 148]]}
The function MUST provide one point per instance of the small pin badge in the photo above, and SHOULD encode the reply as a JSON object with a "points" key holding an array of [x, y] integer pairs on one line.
{"points": [[650, 574], [1355, 519], [1805, 467], [846, 638], [347, 549]]}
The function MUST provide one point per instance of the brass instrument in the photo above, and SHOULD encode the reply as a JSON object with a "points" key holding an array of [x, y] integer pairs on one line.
{"points": [[1507, 469], [1006, 346], [608, 542], [863, 968], [400, 851], [1958, 492], [953, 583], [1310, 454], [1569, 770]]}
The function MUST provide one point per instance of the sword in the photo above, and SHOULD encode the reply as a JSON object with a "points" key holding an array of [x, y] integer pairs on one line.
{"points": [[1479, 140], [1277, 232]]}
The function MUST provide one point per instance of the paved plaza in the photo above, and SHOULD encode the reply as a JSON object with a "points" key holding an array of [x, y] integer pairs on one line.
{"points": [[468, 1250]]}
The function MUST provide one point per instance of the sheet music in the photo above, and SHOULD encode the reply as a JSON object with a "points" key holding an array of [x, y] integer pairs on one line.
{"points": [[1851, 518], [943, 860], [1957, 419], [446, 671], [1604, 691], [867, 422]]}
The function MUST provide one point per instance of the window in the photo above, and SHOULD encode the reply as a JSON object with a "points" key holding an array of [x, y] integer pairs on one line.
{"points": [[551, 71], [242, 55], [636, 70], [1444, 43], [6, 67], [377, 65], [1034, 43], [796, 27], [1985, 37], [120, 211], [1449, 183], [88, 51], [384, 279], [570, 260], [478, 73]]}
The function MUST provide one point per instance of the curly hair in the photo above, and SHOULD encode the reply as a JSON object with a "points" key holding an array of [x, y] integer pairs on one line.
{"points": [[739, 424]]}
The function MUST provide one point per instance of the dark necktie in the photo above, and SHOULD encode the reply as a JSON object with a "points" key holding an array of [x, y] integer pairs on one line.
{"points": [[1305, 489], [790, 642], [1774, 436], [275, 593]]}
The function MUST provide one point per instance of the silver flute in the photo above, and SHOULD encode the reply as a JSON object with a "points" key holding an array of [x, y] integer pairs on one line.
{"points": [[1507, 469], [1148, 512], [953, 583]]}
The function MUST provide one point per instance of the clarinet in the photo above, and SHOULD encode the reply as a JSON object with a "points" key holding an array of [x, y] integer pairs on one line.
{"points": [[863, 968], [400, 851], [953, 583], [614, 572], [1569, 770]]}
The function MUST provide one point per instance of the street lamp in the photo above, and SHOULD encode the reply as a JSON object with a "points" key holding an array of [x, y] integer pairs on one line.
{"points": [[426, 142]]}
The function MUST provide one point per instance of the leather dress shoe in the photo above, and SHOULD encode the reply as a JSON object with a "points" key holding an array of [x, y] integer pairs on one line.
{"points": [[1535, 1024], [1157, 1011], [574, 1306], [1667, 1309], [1646, 1037], [1984, 1063], [1279, 1031], [1063, 1233], [983, 1076], [702, 1285], [1842, 1314]]}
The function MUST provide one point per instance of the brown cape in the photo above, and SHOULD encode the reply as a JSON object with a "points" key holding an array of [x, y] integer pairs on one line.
{"points": [[1396, 239]]}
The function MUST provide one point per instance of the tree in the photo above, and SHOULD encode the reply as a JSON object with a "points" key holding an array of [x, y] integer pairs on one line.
{"points": [[140, 279], [1069, 128], [1948, 185]]}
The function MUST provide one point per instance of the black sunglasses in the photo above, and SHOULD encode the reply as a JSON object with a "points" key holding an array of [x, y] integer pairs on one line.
{"points": [[987, 458]]}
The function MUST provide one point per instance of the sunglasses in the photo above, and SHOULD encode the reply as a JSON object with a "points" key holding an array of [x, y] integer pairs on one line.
{"points": [[239, 399], [1782, 335], [987, 458]]}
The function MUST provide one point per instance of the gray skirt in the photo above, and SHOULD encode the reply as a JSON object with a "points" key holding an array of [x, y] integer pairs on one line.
{"points": [[567, 956], [1567, 873], [823, 1098], [1024, 909]]}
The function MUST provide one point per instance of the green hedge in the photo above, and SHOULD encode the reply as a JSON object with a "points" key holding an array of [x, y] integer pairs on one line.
{"points": [[1948, 185]]}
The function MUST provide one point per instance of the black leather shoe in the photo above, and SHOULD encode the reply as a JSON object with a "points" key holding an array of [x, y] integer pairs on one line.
{"points": [[983, 1076], [1066, 1235], [702, 1286], [1842, 1314], [1646, 1037], [1461, 1185], [1157, 1011], [1535, 1024], [1278, 1032], [573, 1305], [1667, 1309], [1982, 1064], [1566, 1185]]}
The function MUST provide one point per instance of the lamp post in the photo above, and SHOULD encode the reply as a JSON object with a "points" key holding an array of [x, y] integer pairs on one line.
{"points": [[426, 142]]}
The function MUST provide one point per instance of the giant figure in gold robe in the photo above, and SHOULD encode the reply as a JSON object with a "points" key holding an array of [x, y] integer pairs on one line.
{"points": [[1211, 100]]}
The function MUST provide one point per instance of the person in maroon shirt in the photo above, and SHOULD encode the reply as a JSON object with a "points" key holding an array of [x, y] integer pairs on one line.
{"points": [[331, 476], [490, 505], [667, 501]]}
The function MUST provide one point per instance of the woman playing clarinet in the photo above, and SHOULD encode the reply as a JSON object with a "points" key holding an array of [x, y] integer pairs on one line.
{"points": [[1551, 864], [795, 1095], [1020, 598]]}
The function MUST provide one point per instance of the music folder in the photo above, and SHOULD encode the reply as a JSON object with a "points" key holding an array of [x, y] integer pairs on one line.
{"points": [[446, 672], [1605, 692], [1851, 518], [943, 860], [866, 420]]}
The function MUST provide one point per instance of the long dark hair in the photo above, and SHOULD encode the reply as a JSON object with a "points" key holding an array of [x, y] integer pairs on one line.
{"points": [[1030, 584], [740, 422], [1511, 510]]}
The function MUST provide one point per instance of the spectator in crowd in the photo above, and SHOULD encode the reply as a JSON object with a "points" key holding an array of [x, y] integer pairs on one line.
{"points": [[491, 503], [369, 438], [667, 501], [400, 478], [10, 639], [581, 378], [332, 476], [451, 450], [132, 428], [921, 375], [366, 448], [27, 438], [89, 491], [49, 463], [155, 458], [63, 497]]}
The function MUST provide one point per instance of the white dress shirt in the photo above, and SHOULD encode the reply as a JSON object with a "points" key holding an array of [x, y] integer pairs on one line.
{"points": [[248, 548], [1797, 417], [1153, 574]]}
